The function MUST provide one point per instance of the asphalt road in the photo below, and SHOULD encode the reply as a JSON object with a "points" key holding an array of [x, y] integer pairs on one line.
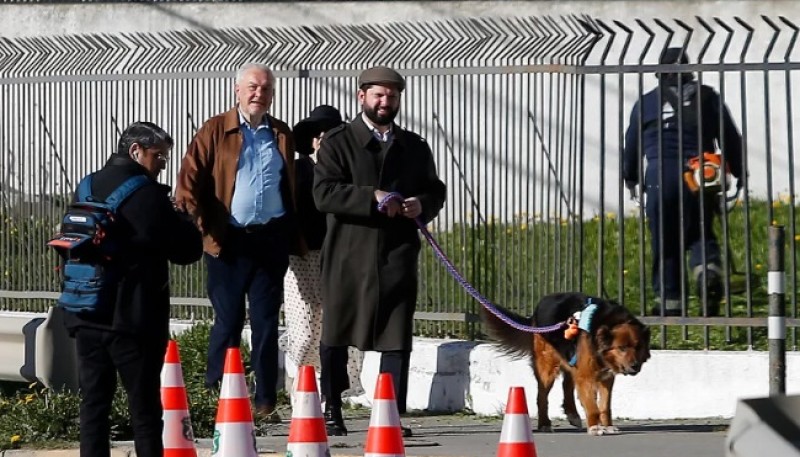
{"points": [[471, 436]]}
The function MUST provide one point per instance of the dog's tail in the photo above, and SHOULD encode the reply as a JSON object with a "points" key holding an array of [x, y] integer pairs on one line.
{"points": [[514, 342]]}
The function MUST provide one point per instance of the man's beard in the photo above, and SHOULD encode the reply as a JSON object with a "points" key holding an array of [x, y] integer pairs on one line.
{"points": [[379, 119]]}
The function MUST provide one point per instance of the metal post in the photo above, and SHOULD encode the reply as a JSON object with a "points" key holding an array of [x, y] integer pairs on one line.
{"points": [[776, 324]]}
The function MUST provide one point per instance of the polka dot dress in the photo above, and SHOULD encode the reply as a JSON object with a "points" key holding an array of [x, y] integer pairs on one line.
{"points": [[303, 318]]}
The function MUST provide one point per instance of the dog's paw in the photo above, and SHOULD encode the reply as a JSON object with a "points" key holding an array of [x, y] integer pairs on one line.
{"points": [[610, 430], [600, 430], [575, 420], [545, 429]]}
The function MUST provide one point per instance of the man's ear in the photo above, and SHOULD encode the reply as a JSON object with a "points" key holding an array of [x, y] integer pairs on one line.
{"points": [[132, 151]]}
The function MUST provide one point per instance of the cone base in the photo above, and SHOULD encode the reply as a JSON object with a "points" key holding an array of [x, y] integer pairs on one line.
{"points": [[180, 452], [308, 449], [516, 450], [235, 439]]}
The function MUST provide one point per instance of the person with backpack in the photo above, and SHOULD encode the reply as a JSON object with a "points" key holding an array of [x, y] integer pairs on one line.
{"points": [[675, 123], [123, 325]]}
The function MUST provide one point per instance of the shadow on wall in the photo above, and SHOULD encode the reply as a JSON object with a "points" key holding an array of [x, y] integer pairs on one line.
{"points": [[451, 381]]}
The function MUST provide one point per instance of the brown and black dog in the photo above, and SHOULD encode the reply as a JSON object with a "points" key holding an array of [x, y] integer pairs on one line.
{"points": [[610, 341]]}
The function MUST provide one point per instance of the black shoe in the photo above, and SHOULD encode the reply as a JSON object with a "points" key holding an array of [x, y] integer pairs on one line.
{"points": [[334, 421], [406, 432], [336, 429]]}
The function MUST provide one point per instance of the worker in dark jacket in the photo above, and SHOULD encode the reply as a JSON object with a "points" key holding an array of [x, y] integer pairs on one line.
{"points": [[676, 121], [131, 339], [369, 258]]}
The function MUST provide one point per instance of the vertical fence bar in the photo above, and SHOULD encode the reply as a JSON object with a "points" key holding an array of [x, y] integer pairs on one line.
{"points": [[776, 323]]}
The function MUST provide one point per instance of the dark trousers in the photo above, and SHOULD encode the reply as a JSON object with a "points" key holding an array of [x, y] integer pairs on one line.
{"points": [[334, 379], [252, 265], [101, 355], [698, 237]]}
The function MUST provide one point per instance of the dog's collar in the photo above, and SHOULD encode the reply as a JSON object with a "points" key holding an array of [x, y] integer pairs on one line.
{"points": [[584, 318]]}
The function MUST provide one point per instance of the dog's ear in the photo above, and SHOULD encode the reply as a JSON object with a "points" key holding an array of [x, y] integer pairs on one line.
{"points": [[603, 338], [646, 334], [645, 345]]}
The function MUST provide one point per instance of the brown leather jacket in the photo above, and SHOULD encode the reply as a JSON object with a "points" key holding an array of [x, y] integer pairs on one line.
{"points": [[208, 175]]}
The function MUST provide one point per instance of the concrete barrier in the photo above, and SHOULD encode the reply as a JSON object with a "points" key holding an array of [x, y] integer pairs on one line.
{"points": [[36, 347], [455, 375]]}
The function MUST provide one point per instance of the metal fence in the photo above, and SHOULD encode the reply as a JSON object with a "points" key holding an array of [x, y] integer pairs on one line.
{"points": [[525, 116]]}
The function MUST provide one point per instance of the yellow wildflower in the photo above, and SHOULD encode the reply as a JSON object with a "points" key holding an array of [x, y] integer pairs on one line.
{"points": [[16, 439], [797, 237], [776, 204], [525, 227], [29, 398], [758, 266], [611, 215]]}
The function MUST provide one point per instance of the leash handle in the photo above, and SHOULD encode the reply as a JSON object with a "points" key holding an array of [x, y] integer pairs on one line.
{"points": [[461, 280]]}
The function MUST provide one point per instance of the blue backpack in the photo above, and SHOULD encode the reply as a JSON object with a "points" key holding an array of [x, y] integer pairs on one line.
{"points": [[88, 242]]}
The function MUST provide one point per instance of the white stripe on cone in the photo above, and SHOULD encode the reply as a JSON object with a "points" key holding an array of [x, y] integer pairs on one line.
{"points": [[174, 436], [234, 439], [307, 449], [171, 375], [306, 405], [384, 414], [516, 429], [233, 386]]}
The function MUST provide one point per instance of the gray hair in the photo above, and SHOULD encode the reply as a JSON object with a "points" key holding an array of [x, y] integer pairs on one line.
{"points": [[145, 134], [254, 66]]}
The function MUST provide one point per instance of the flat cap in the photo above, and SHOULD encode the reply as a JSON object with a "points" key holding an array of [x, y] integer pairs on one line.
{"points": [[381, 75]]}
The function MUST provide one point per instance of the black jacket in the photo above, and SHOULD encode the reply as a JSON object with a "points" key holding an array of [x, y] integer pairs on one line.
{"points": [[157, 235], [679, 142], [369, 261], [310, 220]]}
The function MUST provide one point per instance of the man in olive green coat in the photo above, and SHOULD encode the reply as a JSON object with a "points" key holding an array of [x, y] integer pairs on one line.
{"points": [[369, 258]]}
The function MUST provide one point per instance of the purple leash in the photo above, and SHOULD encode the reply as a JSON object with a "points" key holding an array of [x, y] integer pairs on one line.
{"points": [[463, 282]]}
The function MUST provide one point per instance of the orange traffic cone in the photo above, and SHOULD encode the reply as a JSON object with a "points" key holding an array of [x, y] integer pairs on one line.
{"points": [[178, 437], [234, 434], [307, 434], [516, 439], [384, 437]]}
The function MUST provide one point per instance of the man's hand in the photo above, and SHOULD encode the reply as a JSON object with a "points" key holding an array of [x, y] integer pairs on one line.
{"points": [[393, 207], [179, 205], [412, 207]]}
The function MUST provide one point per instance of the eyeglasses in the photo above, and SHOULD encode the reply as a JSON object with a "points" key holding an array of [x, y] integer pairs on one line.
{"points": [[162, 156]]}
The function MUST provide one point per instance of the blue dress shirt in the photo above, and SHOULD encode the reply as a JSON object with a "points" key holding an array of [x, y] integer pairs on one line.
{"points": [[257, 193]]}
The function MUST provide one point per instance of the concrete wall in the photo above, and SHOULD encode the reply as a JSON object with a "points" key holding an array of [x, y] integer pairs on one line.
{"points": [[454, 375], [47, 19]]}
